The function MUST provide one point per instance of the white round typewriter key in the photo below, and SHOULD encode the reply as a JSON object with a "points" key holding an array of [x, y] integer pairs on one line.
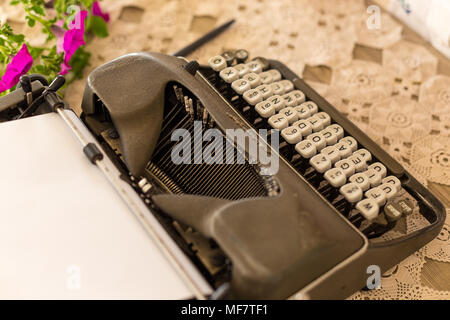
{"points": [[255, 66], [277, 88], [252, 96], [242, 69], [289, 99], [351, 142], [332, 153], [365, 154], [337, 130], [344, 149], [277, 102], [217, 63], [336, 177], [358, 162], [253, 78], [276, 75], [352, 192], [312, 106], [288, 85], [306, 149], [266, 90], [229, 74], [303, 111], [292, 135], [278, 121], [318, 140], [376, 194], [321, 163], [304, 127], [380, 168], [290, 114], [316, 123], [393, 211], [266, 77], [329, 136], [389, 190], [361, 180], [265, 109], [325, 117], [240, 86], [368, 208], [299, 97], [347, 166], [394, 181], [374, 177]]}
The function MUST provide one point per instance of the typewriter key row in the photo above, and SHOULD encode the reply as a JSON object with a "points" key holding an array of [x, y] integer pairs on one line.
{"points": [[311, 133]]}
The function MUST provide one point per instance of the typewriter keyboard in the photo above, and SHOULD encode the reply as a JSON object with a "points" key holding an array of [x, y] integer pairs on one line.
{"points": [[343, 171]]}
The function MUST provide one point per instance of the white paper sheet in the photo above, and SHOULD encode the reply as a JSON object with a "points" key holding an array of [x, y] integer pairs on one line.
{"points": [[64, 232]]}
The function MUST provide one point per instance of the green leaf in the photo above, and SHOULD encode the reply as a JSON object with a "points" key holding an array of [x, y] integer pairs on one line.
{"points": [[97, 26], [31, 22]]}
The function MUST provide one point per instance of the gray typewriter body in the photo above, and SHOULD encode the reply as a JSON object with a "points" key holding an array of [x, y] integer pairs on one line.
{"points": [[259, 237]]}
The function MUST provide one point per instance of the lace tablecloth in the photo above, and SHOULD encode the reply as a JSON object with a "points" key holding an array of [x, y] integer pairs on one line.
{"points": [[395, 93]]}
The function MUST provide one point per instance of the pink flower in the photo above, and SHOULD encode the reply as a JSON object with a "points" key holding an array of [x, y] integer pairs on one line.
{"points": [[19, 65], [59, 33], [73, 39], [97, 11]]}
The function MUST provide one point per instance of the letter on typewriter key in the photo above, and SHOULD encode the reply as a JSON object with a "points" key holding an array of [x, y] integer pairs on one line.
{"points": [[389, 190], [255, 66], [240, 86], [306, 149], [303, 111], [321, 163], [242, 69], [266, 77], [277, 102], [290, 114], [277, 88], [316, 123], [292, 135], [374, 177], [217, 63], [336, 177], [365, 154], [369, 209], [252, 96], [337, 130], [279, 122], [241, 55], [351, 142], [329, 136], [253, 78], [288, 85], [304, 127], [352, 192], [332, 153], [361, 180], [312, 106], [289, 100], [347, 166], [299, 97], [344, 149], [394, 181], [265, 89], [318, 140], [358, 162], [276, 75], [326, 120], [380, 168], [376, 194], [229, 74], [265, 109]]}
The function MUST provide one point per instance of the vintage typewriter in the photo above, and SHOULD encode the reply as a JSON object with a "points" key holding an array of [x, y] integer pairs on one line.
{"points": [[310, 230]]}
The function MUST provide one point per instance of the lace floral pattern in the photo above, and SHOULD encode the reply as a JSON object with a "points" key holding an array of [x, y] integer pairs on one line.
{"points": [[401, 102]]}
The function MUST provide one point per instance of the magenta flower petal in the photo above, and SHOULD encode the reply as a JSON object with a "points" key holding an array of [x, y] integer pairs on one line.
{"points": [[19, 65], [59, 33], [73, 39], [97, 11]]}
